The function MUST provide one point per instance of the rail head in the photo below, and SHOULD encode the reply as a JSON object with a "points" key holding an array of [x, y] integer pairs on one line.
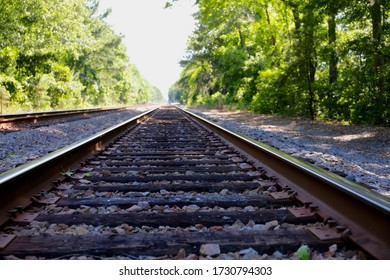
{"points": [[353, 205], [46, 115]]}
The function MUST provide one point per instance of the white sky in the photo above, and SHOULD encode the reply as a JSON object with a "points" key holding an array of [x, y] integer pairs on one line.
{"points": [[156, 38]]}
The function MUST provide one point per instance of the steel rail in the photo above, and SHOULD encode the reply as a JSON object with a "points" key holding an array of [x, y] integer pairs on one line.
{"points": [[37, 116], [364, 213], [18, 185]]}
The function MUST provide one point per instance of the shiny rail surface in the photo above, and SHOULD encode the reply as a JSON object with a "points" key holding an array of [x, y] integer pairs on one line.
{"points": [[35, 117], [174, 181]]}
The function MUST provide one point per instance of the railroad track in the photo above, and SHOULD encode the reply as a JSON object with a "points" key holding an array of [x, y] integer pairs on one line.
{"points": [[170, 186], [10, 120]]}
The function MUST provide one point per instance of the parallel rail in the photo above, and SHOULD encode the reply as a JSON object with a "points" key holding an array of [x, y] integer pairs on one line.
{"points": [[349, 212], [35, 117]]}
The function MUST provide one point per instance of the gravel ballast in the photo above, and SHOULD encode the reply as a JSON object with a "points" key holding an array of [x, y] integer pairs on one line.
{"points": [[359, 153]]}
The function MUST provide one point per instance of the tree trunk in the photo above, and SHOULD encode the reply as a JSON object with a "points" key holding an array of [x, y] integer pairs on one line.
{"points": [[333, 71], [305, 52], [310, 56], [299, 45], [273, 38], [242, 40], [376, 19]]}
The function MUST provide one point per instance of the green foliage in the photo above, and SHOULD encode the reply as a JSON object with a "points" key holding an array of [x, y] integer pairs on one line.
{"points": [[62, 54], [318, 59]]}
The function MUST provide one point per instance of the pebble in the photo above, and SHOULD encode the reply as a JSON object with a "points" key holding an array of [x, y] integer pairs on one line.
{"points": [[246, 228], [83, 181], [250, 254], [249, 209], [127, 228], [239, 224], [251, 223], [191, 208], [134, 194], [181, 254], [112, 209], [101, 194], [143, 205], [254, 192], [81, 230], [278, 255], [272, 189], [119, 230], [272, 224], [199, 227], [192, 257], [134, 208], [224, 192], [158, 208], [332, 251], [216, 228], [67, 211], [210, 249], [164, 192], [260, 227]]}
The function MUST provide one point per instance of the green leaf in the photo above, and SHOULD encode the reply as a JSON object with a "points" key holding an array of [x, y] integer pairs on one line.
{"points": [[168, 5], [67, 173], [303, 253]]}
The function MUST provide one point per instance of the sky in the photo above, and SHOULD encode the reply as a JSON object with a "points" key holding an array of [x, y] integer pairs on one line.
{"points": [[156, 38]]}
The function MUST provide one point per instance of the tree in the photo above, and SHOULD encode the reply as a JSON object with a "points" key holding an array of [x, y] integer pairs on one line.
{"points": [[60, 54]]}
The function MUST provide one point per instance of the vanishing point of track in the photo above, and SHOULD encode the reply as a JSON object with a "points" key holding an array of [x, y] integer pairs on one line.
{"points": [[172, 181]]}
